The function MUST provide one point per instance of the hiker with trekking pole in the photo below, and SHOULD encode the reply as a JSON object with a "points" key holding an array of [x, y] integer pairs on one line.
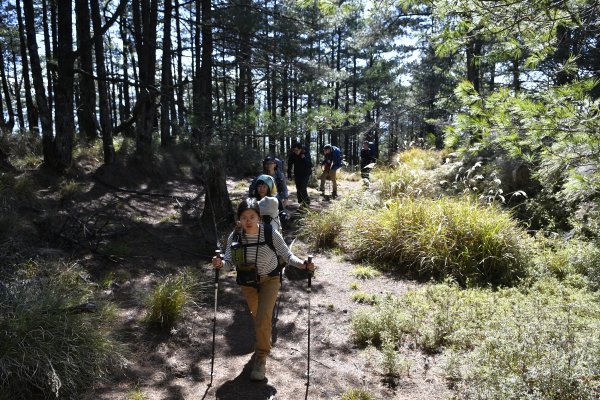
{"points": [[253, 248]]}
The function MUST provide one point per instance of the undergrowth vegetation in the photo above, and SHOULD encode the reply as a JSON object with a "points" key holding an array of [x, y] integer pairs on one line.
{"points": [[169, 298], [511, 342], [513, 315], [49, 348]]}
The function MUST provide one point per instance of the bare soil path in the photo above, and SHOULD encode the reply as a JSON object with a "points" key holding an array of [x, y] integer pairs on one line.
{"points": [[177, 365]]}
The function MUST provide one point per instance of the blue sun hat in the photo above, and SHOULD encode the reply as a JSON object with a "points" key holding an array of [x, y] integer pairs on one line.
{"points": [[269, 181]]}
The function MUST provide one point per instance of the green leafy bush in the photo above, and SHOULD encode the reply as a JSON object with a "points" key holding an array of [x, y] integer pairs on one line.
{"points": [[539, 342], [570, 260], [473, 244], [47, 350], [169, 298]]}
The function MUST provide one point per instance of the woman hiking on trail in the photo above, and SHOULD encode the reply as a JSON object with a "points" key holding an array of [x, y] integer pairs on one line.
{"points": [[255, 259]]}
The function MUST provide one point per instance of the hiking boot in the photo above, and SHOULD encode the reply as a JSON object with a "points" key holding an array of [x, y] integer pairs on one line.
{"points": [[334, 195], [259, 370]]}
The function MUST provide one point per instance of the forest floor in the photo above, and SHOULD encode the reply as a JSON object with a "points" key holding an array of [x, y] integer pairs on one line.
{"points": [[152, 229]]}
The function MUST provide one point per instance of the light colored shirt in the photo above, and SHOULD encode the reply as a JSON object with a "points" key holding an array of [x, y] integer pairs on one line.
{"points": [[265, 259]]}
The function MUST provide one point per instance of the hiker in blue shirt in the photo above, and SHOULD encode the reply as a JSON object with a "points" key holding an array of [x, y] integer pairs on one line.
{"points": [[332, 162]]}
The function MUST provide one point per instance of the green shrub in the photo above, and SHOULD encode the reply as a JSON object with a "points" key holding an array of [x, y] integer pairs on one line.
{"points": [[473, 244], [46, 349], [365, 298], [569, 260], [391, 361], [539, 342], [356, 394], [544, 347], [364, 272], [322, 228], [69, 189], [169, 298]]}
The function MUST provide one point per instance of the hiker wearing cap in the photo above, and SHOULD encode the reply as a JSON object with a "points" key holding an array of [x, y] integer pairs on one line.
{"points": [[255, 259], [332, 162], [300, 169], [267, 200]]}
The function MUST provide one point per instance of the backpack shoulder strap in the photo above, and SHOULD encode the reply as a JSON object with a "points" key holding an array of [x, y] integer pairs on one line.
{"points": [[269, 237]]}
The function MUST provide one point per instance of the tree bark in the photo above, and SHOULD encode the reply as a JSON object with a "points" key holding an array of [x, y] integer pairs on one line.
{"points": [[86, 107], [48, 49], [32, 111], [145, 15], [64, 121], [166, 84], [205, 76], [38, 83], [106, 121], [17, 87], [10, 124]]}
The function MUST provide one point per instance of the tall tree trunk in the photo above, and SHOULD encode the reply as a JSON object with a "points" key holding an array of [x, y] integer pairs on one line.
{"points": [[38, 83], [86, 107], [20, 116], [64, 89], [166, 81], [106, 121], [145, 16], [32, 111], [196, 65], [10, 124], [180, 80], [49, 57], [205, 75], [126, 112]]}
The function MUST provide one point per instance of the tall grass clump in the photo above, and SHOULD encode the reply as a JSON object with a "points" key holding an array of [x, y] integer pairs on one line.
{"points": [[418, 158], [473, 244], [411, 175], [47, 349], [169, 298], [322, 228], [357, 394], [536, 343]]}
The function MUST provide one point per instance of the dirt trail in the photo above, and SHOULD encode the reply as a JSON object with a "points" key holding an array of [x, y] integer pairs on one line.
{"points": [[177, 366]]}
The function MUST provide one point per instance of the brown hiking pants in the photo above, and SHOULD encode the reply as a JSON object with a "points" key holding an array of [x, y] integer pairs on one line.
{"points": [[261, 303]]}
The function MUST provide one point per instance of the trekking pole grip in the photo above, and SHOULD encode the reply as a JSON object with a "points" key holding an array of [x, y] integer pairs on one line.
{"points": [[218, 255]]}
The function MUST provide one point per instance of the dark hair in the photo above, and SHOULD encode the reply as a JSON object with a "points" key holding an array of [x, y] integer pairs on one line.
{"points": [[327, 147], [248, 204], [297, 145], [270, 159]]}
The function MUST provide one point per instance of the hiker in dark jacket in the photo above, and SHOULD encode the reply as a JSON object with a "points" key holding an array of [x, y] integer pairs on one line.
{"points": [[332, 162], [254, 259], [367, 158], [300, 169]]}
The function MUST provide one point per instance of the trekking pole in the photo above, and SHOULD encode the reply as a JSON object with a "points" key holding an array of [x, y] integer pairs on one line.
{"points": [[309, 289], [212, 361]]}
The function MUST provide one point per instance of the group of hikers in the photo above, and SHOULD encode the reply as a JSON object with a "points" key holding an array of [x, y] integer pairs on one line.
{"points": [[256, 248]]}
